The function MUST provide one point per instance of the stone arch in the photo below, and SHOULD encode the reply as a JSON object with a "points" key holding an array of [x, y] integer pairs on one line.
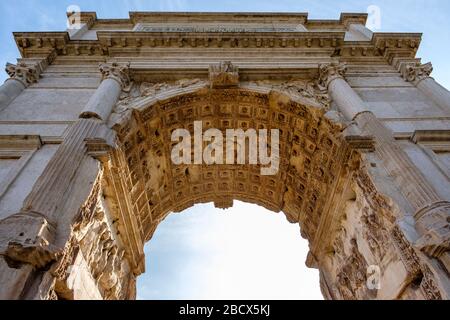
{"points": [[318, 162], [313, 152], [326, 183]]}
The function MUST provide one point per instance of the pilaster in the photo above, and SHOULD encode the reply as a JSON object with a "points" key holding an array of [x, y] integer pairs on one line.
{"points": [[431, 212]]}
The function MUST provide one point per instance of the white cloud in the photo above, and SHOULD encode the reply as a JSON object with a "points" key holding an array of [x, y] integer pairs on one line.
{"points": [[245, 252]]}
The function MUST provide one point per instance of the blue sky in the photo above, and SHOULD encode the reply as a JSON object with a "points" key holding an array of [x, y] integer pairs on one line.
{"points": [[244, 252]]}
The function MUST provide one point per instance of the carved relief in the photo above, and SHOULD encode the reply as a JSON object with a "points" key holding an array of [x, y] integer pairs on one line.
{"points": [[407, 253], [139, 92], [375, 233], [309, 149], [351, 277], [306, 90], [330, 72], [224, 75], [429, 287]]}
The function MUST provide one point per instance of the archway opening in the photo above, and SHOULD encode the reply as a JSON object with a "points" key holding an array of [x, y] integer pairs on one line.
{"points": [[245, 252]]}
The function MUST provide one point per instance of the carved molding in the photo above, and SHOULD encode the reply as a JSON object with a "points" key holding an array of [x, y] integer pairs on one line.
{"points": [[351, 277], [97, 241], [330, 72]]}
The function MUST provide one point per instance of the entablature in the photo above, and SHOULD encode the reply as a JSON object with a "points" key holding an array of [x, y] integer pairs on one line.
{"points": [[147, 32]]}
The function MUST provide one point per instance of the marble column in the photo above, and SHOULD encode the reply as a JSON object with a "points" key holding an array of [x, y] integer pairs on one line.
{"points": [[41, 229], [21, 76], [431, 212], [115, 78], [419, 75]]}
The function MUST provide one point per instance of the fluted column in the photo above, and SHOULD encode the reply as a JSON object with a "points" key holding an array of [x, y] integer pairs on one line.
{"points": [[21, 76], [331, 77], [419, 75], [430, 209], [115, 77], [37, 233]]}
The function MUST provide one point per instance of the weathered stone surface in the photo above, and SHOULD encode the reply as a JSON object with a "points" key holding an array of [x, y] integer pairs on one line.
{"points": [[86, 162]]}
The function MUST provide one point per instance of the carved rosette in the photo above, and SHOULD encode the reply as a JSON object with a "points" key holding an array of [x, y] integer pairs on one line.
{"points": [[224, 75], [330, 72], [27, 75], [416, 72], [116, 71]]}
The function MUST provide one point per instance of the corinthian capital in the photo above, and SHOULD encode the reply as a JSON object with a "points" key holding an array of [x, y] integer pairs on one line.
{"points": [[23, 73], [329, 72], [415, 71], [116, 71]]}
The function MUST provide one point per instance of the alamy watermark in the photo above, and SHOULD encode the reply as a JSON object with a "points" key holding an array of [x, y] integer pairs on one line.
{"points": [[73, 17], [236, 147], [373, 277], [374, 18]]}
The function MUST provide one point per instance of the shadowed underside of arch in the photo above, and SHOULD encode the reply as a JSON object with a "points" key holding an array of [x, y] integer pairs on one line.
{"points": [[313, 153]]}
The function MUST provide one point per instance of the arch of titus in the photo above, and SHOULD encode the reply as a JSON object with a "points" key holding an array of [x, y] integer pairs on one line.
{"points": [[85, 140]]}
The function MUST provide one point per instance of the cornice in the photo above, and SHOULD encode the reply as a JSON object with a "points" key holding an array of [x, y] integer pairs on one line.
{"points": [[390, 46]]}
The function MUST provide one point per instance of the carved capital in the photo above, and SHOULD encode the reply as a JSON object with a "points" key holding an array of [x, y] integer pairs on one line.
{"points": [[116, 71], [416, 72], [23, 73], [433, 224], [224, 75], [329, 72]]}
